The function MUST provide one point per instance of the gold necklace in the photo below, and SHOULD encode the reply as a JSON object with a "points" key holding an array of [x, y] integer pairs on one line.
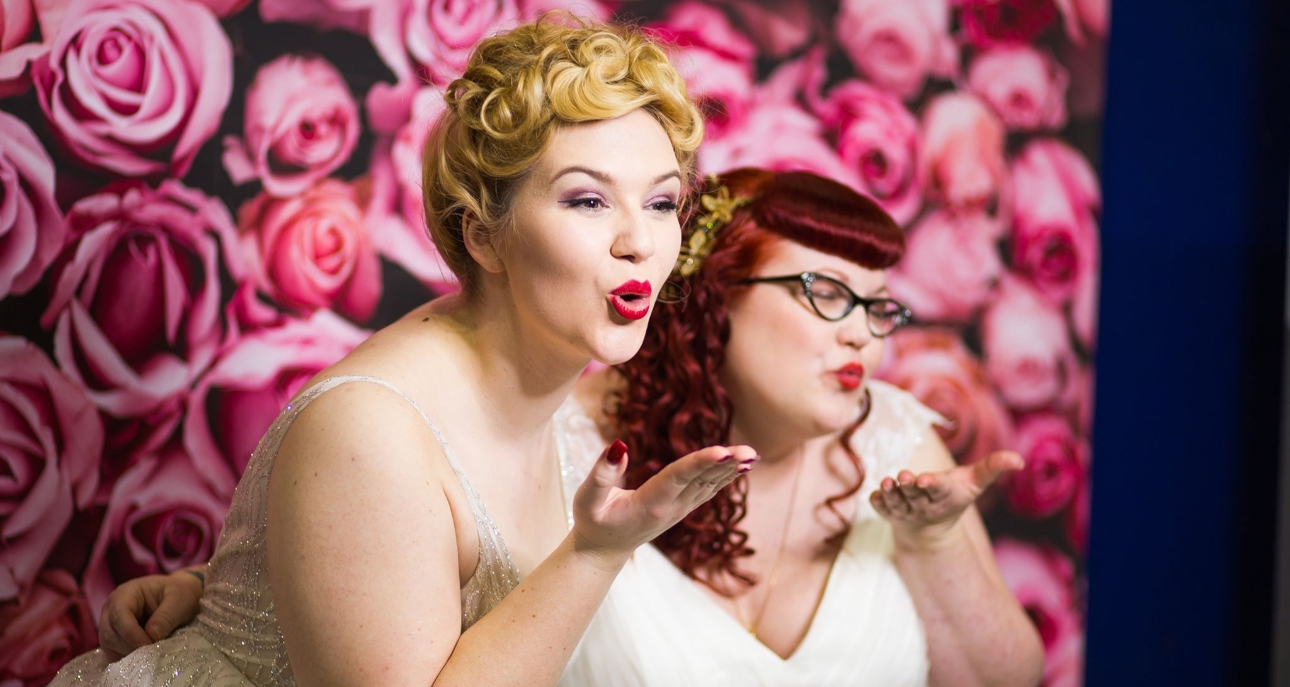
{"points": [[779, 557]]}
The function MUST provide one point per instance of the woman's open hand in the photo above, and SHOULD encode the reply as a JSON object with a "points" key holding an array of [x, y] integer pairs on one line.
{"points": [[923, 507]]}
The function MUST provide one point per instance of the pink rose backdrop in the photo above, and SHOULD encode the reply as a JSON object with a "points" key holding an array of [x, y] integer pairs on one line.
{"points": [[202, 204]]}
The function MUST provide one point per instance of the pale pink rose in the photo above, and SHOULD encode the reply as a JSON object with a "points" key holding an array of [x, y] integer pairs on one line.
{"points": [[435, 35], [1077, 400], [1056, 465], [324, 15], [950, 268], [161, 516], [1084, 17], [779, 28], [935, 366], [591, 10], [136, 86], [50, 626], [50, 443], [312, 251], [301, 124], [396, 215], [1027, 346], [715, 60], [1026, 87], [1054, 232], [1084, 308], [31, 225], [234, 404], [226, 8], [897, 45], [878, 139], [136, 299], [1043, 581], [20, 21], [990, 23], [962, 163]]}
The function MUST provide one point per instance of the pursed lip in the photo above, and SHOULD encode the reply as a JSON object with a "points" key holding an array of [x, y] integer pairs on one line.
{"points": [[631, 300], [634, 288], [850, 376]]}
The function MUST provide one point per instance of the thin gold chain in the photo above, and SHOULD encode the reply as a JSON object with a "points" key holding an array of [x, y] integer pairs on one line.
{"points": [[779, 557]]}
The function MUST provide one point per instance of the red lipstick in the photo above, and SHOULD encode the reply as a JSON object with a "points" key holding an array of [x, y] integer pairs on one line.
{"points": [[850, 376], [631, 300]]}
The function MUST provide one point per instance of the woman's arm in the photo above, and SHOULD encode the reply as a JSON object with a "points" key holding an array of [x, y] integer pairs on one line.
{"points": [[977, 633], [364, 564]]}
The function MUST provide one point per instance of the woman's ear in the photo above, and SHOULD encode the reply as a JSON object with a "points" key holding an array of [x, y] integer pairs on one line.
{"points": [[482, 244]]}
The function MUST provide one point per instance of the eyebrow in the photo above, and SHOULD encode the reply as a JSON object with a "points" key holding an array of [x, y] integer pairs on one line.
{"points": [[609, 180]]}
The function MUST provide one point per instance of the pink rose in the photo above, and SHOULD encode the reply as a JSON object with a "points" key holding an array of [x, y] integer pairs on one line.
{"points": [[950, 268], [396, 216], [50, 442], [715, 60], [161, 516], [438, 35], [226, 8], [935, 366], [778, 29], [897, 45], [31, 225], [324, 15], [1075, 520], [1025, 87], [136, 299], [1054, 233], [312, 251], [234, 404], [1085, 16], [301, 124], [19, 45], [124, 92], [962, 164], [51, 625], [1027, 346], [1043, 581], [878, 139], [592, 10], [1084, 308], [1056, 465], [989, 23]]}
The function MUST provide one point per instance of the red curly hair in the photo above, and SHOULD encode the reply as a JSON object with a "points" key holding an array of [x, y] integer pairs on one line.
{"points": [[673, 404]]}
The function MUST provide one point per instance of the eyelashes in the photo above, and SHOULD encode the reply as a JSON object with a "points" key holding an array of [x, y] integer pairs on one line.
{"points": [[597, 203]]}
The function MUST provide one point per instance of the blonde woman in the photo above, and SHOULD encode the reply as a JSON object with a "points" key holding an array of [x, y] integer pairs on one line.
{"points": [[410, 518]]}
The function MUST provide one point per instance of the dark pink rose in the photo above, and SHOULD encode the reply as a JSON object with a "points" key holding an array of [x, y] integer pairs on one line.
{"points": [[31, 225], [435, 35], [396, 216], [878, 139], [301, 124], [1075, 520], [897, 45], [312, 251], [20, 22], [1084, 308], [136, 299], [962, 163], [225, 8], [989, 23], [935, 366], [1056, 465], [233, 405], [50, 626], [715, 60], [136, 86], [50, 443], [161, 516], [1085, 17], [778, 29], [1054, 233], [1043, 581], [324, 15], [950, 268], [1027, 346], [1026, 87]]}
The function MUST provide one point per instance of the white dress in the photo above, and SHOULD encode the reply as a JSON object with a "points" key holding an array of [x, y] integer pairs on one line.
{"points": [[659, 628], [235, 640]]}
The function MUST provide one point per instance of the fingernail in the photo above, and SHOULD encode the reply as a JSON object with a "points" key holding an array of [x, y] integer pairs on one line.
{"points": [[746, 468], [616, 452], [726, 457]]}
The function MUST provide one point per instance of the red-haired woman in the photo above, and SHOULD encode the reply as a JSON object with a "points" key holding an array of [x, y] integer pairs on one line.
{"points": [[853, 554]]}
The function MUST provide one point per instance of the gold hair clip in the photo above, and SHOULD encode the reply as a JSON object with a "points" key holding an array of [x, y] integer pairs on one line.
{"points": [[720, 209]]}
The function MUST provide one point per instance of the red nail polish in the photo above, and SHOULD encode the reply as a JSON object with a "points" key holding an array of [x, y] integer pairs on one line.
{"points": [[616, 452]]}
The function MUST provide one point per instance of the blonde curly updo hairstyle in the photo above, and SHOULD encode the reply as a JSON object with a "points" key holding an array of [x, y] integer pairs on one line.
{"points": [[517, 90]]}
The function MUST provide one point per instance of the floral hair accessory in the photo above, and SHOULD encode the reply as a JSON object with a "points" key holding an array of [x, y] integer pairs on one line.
{"points": [[719, 208]]}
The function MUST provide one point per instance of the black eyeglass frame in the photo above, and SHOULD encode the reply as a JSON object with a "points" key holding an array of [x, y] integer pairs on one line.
{"points": [[807, 279]]}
